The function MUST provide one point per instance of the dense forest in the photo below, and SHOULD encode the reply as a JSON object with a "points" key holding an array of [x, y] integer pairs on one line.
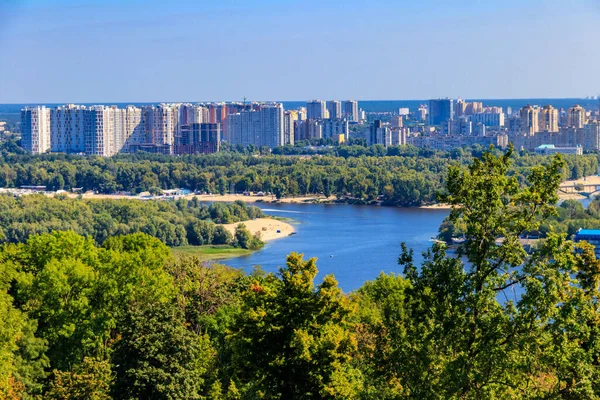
{"points": [[175, 223], [402, 175], [124, 320]]}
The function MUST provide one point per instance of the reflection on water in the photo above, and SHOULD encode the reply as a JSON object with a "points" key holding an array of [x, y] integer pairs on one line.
{"points": [[355, 243]]}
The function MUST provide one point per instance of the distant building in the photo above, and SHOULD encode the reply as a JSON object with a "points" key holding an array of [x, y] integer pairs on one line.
{"points": [[315, 109], [35, 129], [260, 127], [592, 236], [460, 108], [69, 127], [397, 121], [529, 120], [403, 111], [378, 133], [333, 128], [548, 119], [335, 109], [421, 114], [440, 110], [350, 110], [576, 116], [474, 107], [490, 119], [289, 119], [547, 149], [202, 138]]}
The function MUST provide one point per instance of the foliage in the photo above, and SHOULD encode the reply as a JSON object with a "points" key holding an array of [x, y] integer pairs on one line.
{"points": [[174, 223], [291, 339], [397, 175], [120, 318]]}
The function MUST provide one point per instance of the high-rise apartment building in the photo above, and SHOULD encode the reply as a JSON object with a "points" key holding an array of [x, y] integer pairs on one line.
{"points": [[378, 133], [289, 119], [460, 108], [262, 126], [529, 120], [350, 110], [335, 109], [100, 139], [333, 128], [576, 117], [69, 126], [135, 129], [164, 126], [315, 109], [397, 121], [548, 119], [421, 113], [202, 138], [440, 110], [488, 119], [35, 129], [474, 107]]}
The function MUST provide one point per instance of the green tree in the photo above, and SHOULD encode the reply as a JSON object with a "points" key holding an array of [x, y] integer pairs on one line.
{"points": [[221, 235], [90, 380], [506, 324], [291, 339], [157, 357]]}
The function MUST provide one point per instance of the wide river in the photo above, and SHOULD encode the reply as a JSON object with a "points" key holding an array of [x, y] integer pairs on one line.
{"points": [[355, 243]]}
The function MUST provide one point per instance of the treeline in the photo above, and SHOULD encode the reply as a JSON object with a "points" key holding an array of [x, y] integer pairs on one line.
{"points": [[402, 175], [175, 223], [571, 216], [125, 321]]}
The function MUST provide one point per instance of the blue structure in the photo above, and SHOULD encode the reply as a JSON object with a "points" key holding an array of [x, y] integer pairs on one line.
{"points": [[592, 236], [440, 110]]}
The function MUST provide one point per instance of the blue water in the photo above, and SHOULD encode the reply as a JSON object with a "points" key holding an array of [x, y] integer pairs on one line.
{"points": [[377, 105], [355, 243]]}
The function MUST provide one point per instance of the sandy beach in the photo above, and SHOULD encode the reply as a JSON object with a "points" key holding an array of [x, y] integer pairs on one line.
{"points": [[269, 228], [441, 206]]}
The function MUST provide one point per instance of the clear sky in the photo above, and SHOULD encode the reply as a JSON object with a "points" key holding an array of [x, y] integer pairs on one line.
{"points": [[201, 50]]}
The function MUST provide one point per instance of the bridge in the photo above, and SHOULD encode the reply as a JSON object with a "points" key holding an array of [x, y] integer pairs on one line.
{"points": [[588, 188]]}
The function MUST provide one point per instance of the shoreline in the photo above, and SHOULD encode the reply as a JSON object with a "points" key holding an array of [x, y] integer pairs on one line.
{"points": [[257, 200], [268, 228]]}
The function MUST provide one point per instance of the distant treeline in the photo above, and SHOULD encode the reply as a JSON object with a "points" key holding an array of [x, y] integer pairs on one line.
{"points": [[402, 175], [175, 223]]}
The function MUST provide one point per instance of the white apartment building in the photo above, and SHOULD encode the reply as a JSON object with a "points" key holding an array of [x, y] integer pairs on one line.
{"points": [[100, 140], [69, 126], [35, 129], [263, 126], [490, 119]]}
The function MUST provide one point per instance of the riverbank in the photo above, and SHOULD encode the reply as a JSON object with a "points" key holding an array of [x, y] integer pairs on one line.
{"points": [[268, 228], [209, 252], [260, 199]]}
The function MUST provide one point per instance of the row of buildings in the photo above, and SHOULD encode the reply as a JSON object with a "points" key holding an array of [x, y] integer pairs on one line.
{"points": [[180, 128], [444, 124], [108, 130]]}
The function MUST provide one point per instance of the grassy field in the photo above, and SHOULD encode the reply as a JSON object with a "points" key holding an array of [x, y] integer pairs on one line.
{"points": [[208, 253]]}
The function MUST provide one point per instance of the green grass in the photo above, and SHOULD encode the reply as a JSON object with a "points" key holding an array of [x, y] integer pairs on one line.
{"points": [[210, 252]]}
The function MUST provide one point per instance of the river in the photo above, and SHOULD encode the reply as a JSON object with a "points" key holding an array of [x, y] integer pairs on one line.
{"points": [[355, 243]]}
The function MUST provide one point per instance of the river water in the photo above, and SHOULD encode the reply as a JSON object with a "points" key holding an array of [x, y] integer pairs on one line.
{"points": [[355, 243]]}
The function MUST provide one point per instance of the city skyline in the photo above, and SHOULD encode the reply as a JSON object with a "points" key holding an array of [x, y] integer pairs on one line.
{"points": [[107, 51]]}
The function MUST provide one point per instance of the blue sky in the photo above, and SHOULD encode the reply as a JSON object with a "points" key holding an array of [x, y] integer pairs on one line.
{"points": [[133, 50]]}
